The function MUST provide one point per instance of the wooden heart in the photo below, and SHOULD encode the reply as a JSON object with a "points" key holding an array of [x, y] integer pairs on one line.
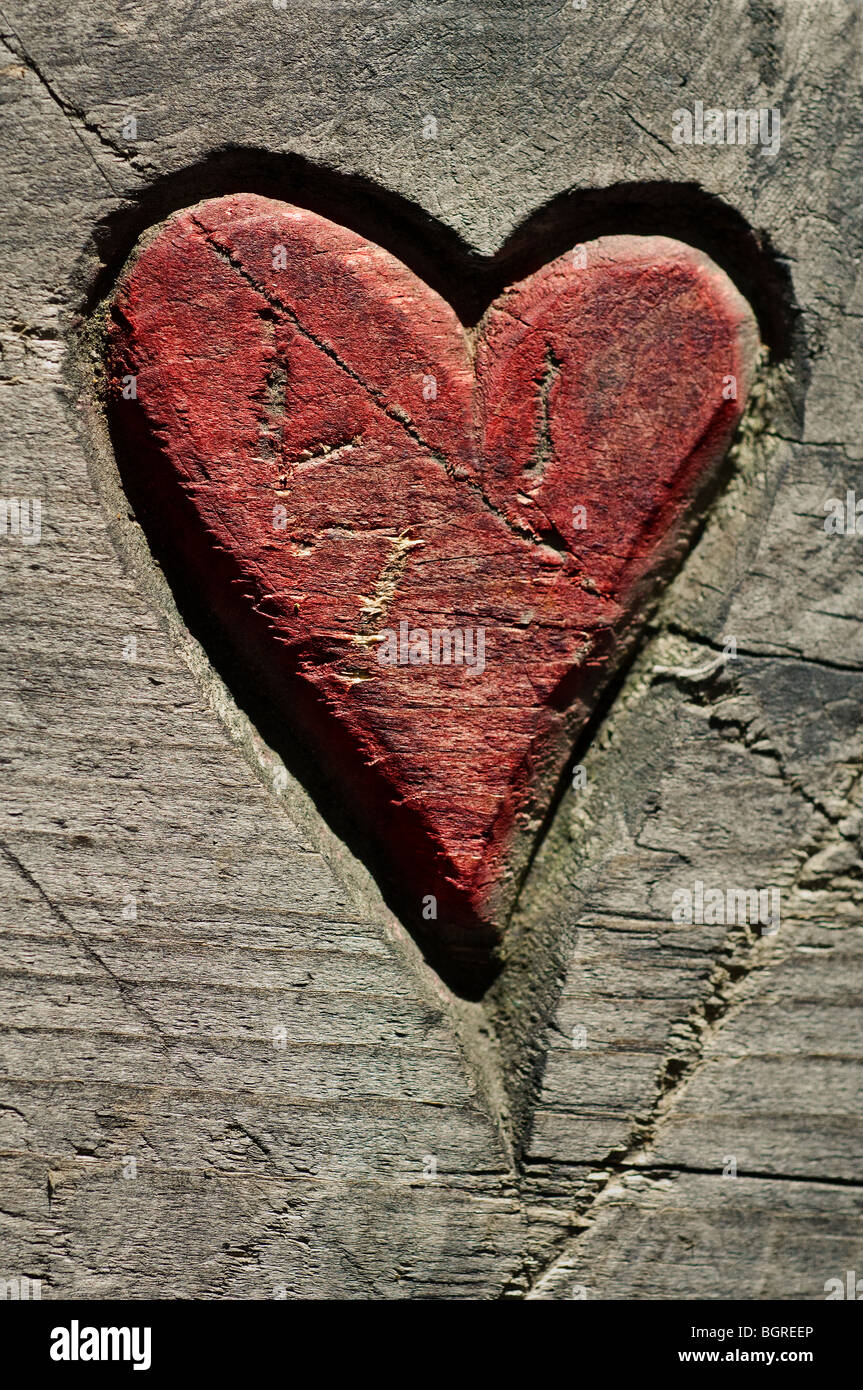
{"points": [[429, 547]]}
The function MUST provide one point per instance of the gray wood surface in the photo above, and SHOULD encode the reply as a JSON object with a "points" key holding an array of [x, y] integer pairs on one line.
{"points": [[388, 1140]]}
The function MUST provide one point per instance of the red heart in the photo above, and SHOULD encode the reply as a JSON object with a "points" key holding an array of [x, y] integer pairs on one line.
{"points": [[324, 453]]}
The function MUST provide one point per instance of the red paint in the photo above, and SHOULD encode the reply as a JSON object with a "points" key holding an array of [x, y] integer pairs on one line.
{"points": [[598, 387]]}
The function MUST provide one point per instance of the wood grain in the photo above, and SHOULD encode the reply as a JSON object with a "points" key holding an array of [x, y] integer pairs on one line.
{"points": [[305, 1170]]}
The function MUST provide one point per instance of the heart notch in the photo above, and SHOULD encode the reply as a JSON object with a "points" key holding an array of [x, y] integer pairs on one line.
{"points": [[426, 549]]}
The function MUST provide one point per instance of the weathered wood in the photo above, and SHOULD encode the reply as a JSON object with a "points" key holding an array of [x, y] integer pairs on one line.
{"points": [[306, 1169], [689, 1236]]}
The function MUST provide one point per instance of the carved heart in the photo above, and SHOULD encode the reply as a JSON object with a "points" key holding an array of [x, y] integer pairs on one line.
{"points": [[357, 488]]}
